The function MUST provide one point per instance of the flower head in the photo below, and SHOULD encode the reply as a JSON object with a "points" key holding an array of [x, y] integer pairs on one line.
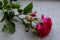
{"points": [[43, 30], [47, 21]]}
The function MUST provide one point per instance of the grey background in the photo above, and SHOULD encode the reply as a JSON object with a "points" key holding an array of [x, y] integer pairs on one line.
{"points": [[48, 8], [41, 0]]}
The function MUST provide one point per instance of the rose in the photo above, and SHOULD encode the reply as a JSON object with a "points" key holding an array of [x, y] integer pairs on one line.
{"points": [[43, 30], [47, 21]]}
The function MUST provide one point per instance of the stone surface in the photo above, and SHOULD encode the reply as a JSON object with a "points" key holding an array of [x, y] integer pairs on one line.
{"points": [[48, 8]]}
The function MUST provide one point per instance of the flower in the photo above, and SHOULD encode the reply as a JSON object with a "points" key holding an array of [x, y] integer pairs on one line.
{"points": [[47, 21], [33, 14], [43, 30]]}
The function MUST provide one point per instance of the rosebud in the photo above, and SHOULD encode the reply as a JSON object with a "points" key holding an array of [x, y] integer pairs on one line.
{"points": [[34, 31], [34, 19], [41, 22], [26, 29], [29, 18], [26, 17], [26, 22], [33, 14]]}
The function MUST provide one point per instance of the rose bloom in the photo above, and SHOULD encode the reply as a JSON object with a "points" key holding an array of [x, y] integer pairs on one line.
{"points": [[43, 30]]}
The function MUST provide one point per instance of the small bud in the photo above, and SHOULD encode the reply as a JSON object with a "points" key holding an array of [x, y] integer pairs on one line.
{"points": [[33, 14], [27, 22], [26, 16], [41, 22], [29, 18], [34, 31], [34, 19], [26, 29]]}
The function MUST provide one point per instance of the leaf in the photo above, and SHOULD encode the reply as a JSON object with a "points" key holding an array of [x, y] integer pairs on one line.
{"points": [[0, 5], [6, 16], [5, 2], [13, 0], [15, 6], [11, 15], [6, 6], [5, 29], [11, 27], [20, 11], [2, 19], [28, 8]]}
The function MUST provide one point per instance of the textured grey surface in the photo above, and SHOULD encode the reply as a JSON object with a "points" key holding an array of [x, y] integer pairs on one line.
{"points": [[48, 8]]}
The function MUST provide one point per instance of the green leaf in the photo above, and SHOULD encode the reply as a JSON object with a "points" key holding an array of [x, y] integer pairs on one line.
{"points": [[11, 27], [5, 29], [6, 16], [11, 15], [15, 6], [13, 0], [28, 8], [1, 5], [6, 6], [2, 19], [5, 2], [20, 11]]}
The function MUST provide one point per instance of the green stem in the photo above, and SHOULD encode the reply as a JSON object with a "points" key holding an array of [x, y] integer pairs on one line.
{"points": [[26, 27], [31, 24], [22, 20], [17, 15], [19, 18]]}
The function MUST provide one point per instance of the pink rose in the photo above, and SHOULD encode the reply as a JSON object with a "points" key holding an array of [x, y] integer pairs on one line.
{"points": [[47, 21], [43, 30]]}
